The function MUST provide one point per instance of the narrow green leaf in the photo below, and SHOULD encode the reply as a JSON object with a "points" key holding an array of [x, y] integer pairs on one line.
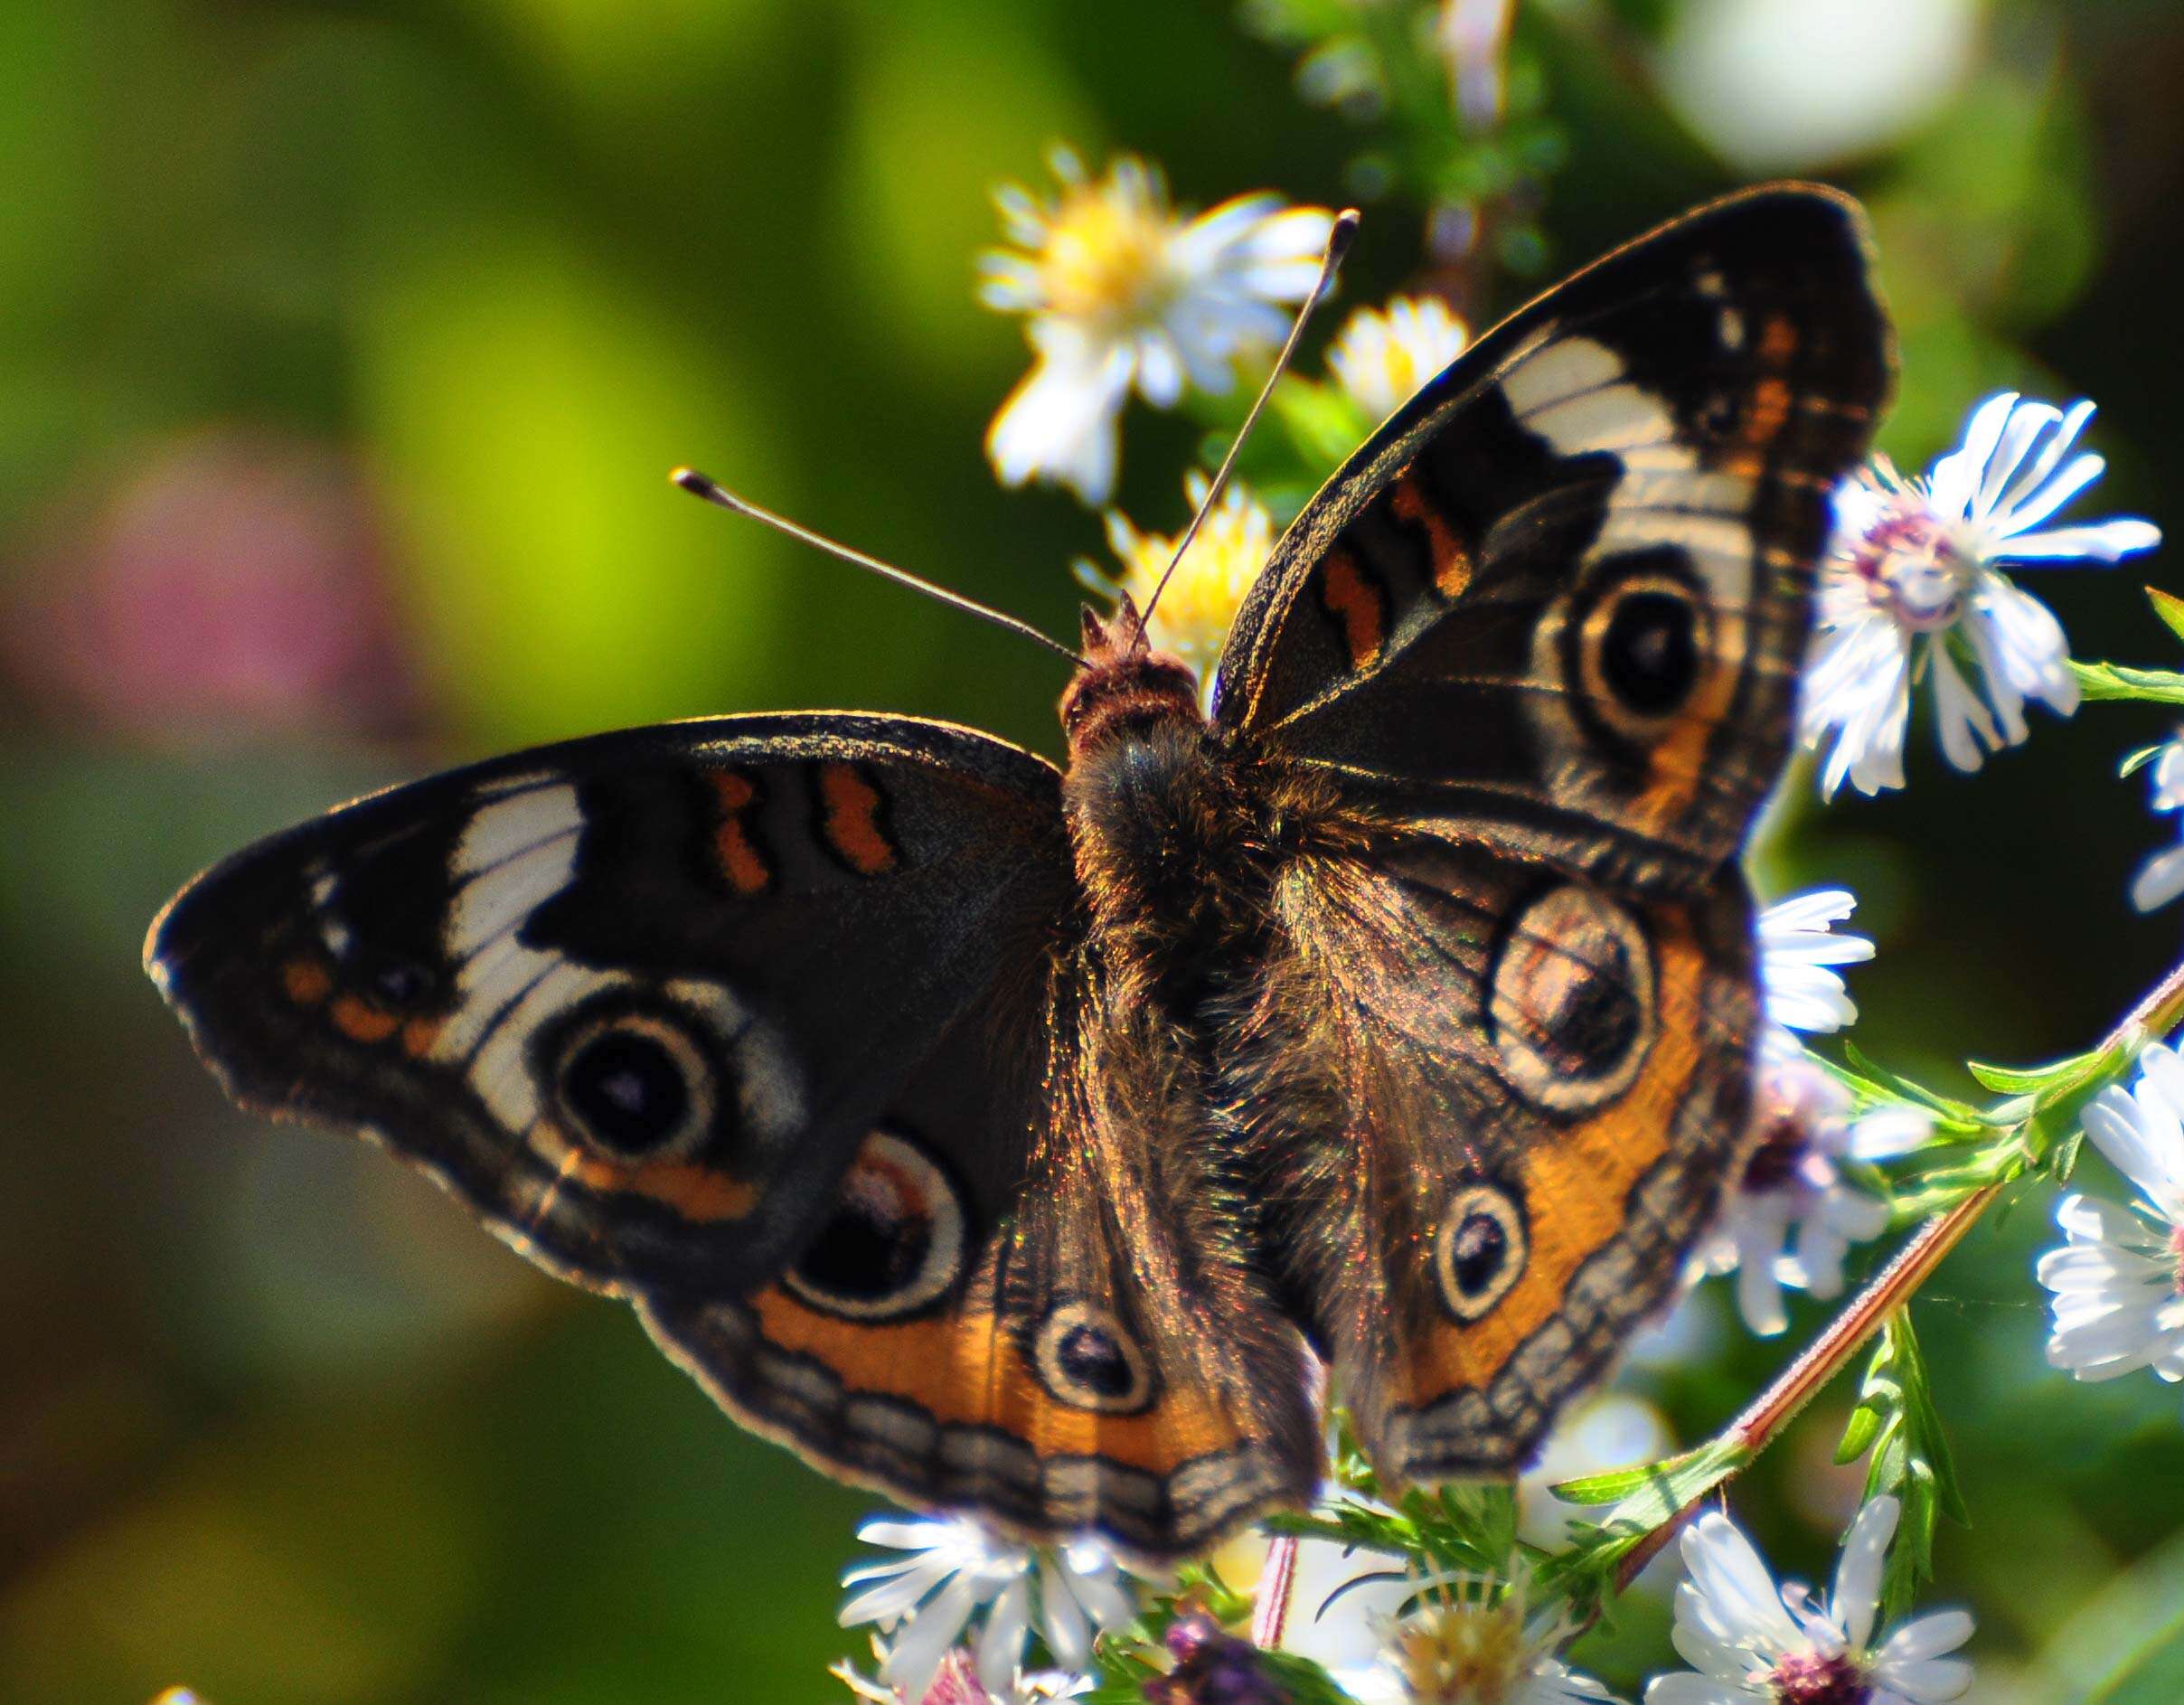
{"points": [[1653, 1491], [2169, 607], [2138, 760], [2113, 682]]}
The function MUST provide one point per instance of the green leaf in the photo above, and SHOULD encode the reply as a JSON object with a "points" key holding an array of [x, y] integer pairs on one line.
{"points": [[2138, 760], [2113, 682], [1896, 1419], [1653, 1491], [2169, 607], [2044, 1083]]}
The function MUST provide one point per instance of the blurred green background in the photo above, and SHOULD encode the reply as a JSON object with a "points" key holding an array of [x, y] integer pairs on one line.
{"points": [[343, 349]]}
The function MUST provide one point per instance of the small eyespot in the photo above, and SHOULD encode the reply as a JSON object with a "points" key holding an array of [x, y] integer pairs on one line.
{"points": [[398, 982], [895, 1241], [1480, 1249], [636, 1086], [1088, 1359], [1571, 999]]}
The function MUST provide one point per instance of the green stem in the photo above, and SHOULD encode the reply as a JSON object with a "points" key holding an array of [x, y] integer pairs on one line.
{"points": [[2160, 1011]]}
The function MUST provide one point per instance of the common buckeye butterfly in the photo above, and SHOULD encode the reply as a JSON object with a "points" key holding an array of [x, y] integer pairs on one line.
{"points": [[1014, 1139]]}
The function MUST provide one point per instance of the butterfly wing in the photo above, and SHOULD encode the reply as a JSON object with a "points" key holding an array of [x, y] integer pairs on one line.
{"points": [[1529, 658], [1529, 1090], [635, 999], [783, 1026], [1106, 1357], [1564, 590]]}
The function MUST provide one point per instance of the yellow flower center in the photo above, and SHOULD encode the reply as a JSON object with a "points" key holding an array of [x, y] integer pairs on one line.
{"points": [[1106, 255], [1463, 1654]]}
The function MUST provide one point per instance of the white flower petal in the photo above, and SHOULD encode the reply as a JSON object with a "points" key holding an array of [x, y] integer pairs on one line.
{"points": [[2026, 421], [2159, 879], [2102, 541], [925, 1639], [1956, 480], [1857, 1596], [1928, 1636], [1002, 1642]]}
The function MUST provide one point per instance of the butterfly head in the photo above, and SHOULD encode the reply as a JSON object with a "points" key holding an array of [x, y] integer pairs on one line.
{"points": [[1124, 685]]}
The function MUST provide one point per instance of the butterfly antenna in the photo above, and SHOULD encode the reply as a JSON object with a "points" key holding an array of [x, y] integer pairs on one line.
{"points": [[1338, 245], [699, 485]]}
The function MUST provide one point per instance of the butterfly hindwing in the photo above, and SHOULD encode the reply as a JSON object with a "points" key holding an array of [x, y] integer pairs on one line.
{"points": [[1564, 590], [1535, 1089], [1041, 1347]]}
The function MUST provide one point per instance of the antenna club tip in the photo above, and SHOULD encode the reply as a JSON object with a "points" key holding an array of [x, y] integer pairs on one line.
{"points": [[688, 478], [1341, 233]]}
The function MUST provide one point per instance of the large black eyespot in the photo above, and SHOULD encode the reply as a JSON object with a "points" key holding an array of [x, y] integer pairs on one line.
{"points": [[1569, 1001], [1480, 1249], [636, 1084], [894, 1241], [1086, 1359], [1639, 645], [1649, 654]]}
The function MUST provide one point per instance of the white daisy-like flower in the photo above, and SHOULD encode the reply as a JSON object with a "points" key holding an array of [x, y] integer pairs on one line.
{"points": [[2161, 878], [1791, 1215], [1466, 1644], [1194, 614], [1910, 589], [2119, 1279], [1750, 1641], [1798, 956], [1122, 291], [954, 1568], [1382, 357]]}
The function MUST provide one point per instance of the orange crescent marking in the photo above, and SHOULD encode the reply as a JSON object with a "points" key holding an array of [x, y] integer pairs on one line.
{"points": [[696, 1192], [1452, 562], [305, 982], [361, 1022], [853, 821], [1355, 602], [1676, 765], [1576, 1184], [418, 1035], [965, 1370], [737, 853]]}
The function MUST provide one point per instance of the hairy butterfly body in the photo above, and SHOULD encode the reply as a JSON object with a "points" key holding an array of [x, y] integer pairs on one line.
{"points": [[1020, 1140]]}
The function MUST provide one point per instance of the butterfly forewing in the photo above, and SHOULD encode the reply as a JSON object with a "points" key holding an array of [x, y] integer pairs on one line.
{"points": [[635, 999], [1563, 592]]}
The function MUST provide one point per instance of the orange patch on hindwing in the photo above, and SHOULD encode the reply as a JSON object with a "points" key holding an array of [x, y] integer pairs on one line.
{"points": [[851, 819], [1356, 602], [735, 848], [967, 1371], [1577, 1183]]}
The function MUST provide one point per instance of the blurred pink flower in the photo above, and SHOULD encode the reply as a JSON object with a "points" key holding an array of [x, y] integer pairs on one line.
{"points": [[230, 584]]}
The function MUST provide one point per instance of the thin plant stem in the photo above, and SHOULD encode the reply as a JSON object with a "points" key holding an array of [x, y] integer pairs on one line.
{"points": [[1270, 1612], [1889, 1290]]}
